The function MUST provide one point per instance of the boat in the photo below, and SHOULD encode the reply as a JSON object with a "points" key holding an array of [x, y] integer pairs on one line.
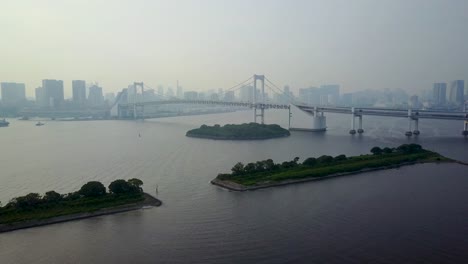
{"points": [[24, 118], [4, 123], [39, 124]]}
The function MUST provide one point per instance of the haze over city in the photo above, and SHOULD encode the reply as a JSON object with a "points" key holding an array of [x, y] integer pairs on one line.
{"points": [[233, 131], [214, 44]]}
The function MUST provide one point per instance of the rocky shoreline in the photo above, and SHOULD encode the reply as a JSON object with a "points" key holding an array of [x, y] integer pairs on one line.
{"points": [[148, 201], [232, 186]]}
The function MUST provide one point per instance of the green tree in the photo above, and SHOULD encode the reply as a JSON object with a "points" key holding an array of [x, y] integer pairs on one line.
{"points": [[295, 160], [238, 169], [92, 189], [376, 150], [269, 164], [52, 197], [310, 161], [27, 201], [405, 148], [136, 184], [324, 159], [340, 157], [250, 168], [119, 187], [387, 150], [414, 148]]}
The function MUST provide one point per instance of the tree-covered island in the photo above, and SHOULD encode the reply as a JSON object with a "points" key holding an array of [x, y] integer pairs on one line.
{"points": [[91, 200], [266, 173], [251, 131]]}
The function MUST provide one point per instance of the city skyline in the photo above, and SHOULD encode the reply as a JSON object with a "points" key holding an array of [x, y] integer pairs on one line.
{"points": [[301, 44]]}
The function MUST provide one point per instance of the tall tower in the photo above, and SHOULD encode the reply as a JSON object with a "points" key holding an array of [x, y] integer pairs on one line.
{"points": [[256, 100], [136, 107]]}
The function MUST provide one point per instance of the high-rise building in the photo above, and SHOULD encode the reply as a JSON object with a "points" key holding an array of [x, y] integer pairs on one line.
{"points": [[330, 94], [13, 93], [52, 93], [161, 91], [79, 93], [246, 93], [457, 92], [414, 101], [39, 92], [95, 97], [347, 99], [310, 96], [110, 98], [170, 92], [439, 94], [190, 95], [229, 96], [180, 91]]}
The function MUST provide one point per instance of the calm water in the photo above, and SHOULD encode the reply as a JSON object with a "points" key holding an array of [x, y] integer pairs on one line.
{"points": [[413, 214]]}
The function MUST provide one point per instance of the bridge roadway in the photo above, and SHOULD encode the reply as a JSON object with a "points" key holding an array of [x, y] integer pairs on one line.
{"points": [[358, 111], [206, 102]]}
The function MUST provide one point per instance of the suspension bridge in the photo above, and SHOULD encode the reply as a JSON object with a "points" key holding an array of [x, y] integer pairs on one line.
{"points": [[135, 108]]}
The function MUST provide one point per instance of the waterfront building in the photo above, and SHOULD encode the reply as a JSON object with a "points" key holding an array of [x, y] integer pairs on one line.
{"points": [[79, 93], [95, 97], [457, 92], [13, 93], [52, 93], [439, 94]]}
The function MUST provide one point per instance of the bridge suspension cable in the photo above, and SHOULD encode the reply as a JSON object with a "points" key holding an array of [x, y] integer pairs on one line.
{"points": [[239, 84], [281, 91]]}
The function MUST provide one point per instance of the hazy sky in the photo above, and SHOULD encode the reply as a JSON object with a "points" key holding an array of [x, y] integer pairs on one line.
{"points": [[208, 44]]}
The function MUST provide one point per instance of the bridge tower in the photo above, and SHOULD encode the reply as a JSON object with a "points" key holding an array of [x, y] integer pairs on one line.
{"points": [[138, 108], [256, 104]]}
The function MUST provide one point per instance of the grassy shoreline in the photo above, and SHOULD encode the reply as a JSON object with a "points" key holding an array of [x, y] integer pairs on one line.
{"points": [[66, 212], [264, 174]]}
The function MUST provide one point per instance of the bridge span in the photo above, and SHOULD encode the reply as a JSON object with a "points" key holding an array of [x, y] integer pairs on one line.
{"points": [[413, 116], [136, 109]]}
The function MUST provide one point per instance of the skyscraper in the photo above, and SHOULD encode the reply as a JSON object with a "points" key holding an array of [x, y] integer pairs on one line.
{"points": [[439, 94], [52, 93], [39, 96], [246, 93], [13, 93], [457, 92], [330, 94], [95, 97], [79, 93]]}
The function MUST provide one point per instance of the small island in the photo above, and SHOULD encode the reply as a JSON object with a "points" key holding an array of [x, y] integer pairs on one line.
{"points": [[266, 173], [91, 200], [251, 131]]}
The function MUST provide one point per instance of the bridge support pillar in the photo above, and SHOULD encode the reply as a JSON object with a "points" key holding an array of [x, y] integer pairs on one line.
{"points": [[317, 124], [353, 121], [409, 133], [416, 127], [465, 129], [360, 130]]}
